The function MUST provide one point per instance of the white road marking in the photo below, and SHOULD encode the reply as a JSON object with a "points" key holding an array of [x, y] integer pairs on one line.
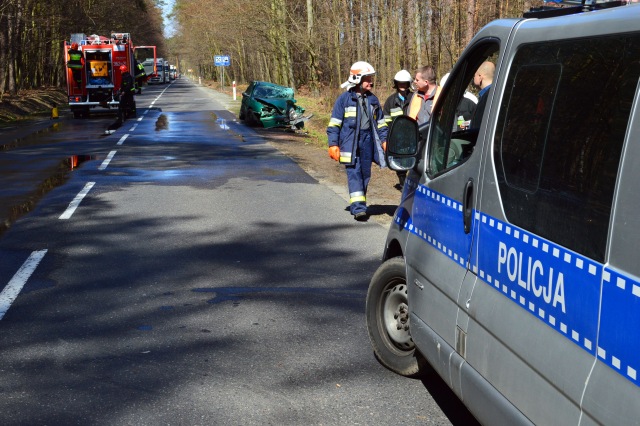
{"points": [[76, 201], [132, 128], [107, 160], [125, 136], [18, 281]]}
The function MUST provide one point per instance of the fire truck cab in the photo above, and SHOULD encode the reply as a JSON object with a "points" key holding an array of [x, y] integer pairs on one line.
{"points": [[100, 72]]}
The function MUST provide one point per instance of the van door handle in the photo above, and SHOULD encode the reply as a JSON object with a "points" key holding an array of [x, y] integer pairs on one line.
{"points": [[467, 208]]}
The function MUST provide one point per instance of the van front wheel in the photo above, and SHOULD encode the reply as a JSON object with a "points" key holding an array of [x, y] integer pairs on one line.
{"points": [[387, 313]]}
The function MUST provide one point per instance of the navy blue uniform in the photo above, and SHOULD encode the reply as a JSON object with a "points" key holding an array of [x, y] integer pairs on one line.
{"points": [[359, 147]]}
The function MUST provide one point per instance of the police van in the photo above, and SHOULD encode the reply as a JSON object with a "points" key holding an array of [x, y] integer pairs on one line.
{"points": [[512, 266]]}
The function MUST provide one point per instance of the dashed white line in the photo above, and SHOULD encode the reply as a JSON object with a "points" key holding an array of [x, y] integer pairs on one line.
{"points": [[76, 201], [125, 136], [107, 160], [133, 127], [18, 281]]}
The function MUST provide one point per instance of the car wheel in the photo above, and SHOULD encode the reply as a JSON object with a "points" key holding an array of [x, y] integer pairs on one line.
{"points": [[387, 314], [242, 115]]}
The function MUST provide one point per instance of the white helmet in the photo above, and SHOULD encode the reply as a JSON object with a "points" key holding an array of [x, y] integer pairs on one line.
{"points": [[359, 70], [444, 78], [402, 76]]}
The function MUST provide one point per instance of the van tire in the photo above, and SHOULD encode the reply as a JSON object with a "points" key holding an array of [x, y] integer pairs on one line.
{"points": [[388, 321]]}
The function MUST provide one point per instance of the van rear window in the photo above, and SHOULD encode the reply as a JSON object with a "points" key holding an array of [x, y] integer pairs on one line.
{"points": [[559, 137]]}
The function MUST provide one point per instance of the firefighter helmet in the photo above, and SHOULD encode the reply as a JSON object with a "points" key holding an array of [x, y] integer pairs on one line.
{"points": [[402, 76], [74, 45], [123, 68], [359, 70]]}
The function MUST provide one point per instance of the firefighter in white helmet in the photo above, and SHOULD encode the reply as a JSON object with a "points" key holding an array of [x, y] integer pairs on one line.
{"points": [[398, 104], [357, 134]]}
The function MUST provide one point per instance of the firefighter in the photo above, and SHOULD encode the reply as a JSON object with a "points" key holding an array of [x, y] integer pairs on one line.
{"points": [[398, 104], [357, 134], [140, 76], [127, 105], [75, 62]]}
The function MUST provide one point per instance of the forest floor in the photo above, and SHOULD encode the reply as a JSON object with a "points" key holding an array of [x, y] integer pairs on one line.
{"points": [[308, 149]]}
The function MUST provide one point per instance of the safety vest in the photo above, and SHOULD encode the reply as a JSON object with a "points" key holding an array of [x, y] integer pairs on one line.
{"points": [[75, 59], [140, 70]]}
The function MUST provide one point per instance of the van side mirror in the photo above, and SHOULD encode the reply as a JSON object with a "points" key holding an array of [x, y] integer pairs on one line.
{"points": [[402, 143]]}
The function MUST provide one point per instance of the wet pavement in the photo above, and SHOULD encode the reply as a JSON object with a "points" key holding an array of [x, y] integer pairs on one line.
{"points": [[37, 155]]}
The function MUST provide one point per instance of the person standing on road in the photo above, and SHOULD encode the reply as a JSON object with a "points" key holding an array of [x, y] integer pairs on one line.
{"points": [[140, 76], [127, 104], [357, 134], [75, 62], [398, 104], [422, 100]]}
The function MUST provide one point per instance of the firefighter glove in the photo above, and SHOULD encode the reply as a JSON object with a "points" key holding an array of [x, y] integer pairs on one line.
{"points": [[334, 152]]}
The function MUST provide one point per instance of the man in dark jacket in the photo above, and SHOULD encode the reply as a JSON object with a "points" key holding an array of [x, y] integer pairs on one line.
{"points": [[127, 105], [140, 76], [357, 134], [75, 63], [398, 104]]}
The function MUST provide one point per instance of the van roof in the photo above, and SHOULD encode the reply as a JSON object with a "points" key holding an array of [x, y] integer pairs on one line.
{"points": [[572, 7]]}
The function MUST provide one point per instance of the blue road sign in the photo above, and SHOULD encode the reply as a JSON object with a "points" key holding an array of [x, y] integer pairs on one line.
{"points": [[221, 61]]}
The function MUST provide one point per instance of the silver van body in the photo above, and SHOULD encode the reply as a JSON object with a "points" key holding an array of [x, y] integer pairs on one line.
{"points": [[519, 236]]}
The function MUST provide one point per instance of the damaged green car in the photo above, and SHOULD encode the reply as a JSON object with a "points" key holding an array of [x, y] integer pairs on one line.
{"points": [[271, 105]]}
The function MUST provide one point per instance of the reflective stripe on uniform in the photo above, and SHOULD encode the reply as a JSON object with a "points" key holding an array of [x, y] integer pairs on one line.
{"points": [[335, 122], [345, 157], [355, 197], [382, 123], [350, 112], [393, 113]]}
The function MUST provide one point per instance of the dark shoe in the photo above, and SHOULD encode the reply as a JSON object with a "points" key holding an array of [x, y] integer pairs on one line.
{"points": [[361, 216]]}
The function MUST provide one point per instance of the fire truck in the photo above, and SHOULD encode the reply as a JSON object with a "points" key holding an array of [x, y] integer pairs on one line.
{"points": [[98, 80]]}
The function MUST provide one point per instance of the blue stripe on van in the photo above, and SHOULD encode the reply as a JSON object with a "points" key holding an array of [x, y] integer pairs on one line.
{"points": [[556, 285], [618, 344]]}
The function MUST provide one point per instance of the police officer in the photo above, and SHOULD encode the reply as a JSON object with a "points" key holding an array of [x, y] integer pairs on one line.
{"points": [[127, 105], [140, 76], [75, 63], [398, 104], [357, 134]]}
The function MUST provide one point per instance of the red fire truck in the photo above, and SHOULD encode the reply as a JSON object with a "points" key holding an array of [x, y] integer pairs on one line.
{"points": [[100, 76]]}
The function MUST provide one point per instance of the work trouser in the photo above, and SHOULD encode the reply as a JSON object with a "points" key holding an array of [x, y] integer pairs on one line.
{"points": [[127, 106], [76, 71], [359, 174]]}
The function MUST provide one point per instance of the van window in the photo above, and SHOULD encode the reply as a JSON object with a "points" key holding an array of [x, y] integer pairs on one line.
{"points": [[559, 137], [449, 146]]}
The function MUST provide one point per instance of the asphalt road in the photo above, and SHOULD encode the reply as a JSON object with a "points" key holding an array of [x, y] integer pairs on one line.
{"points": [[185, 272]]}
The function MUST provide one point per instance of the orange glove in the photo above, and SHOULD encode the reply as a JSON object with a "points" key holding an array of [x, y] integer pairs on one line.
{"points": [[384, 146], [334, 152]]}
